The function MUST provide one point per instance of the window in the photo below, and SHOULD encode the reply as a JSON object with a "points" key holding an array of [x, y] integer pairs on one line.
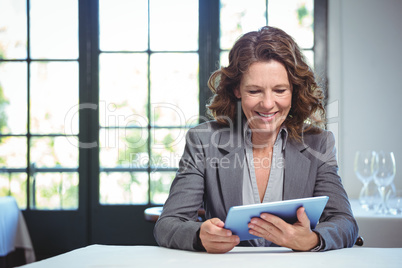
{"points": [[104, 99], [148, 94], [38, 85]]}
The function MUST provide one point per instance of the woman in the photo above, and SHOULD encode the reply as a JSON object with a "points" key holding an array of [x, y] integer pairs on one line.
{"points": [[266, 144]]}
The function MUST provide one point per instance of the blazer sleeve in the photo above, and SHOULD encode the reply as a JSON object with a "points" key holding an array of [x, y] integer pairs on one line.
{"points": [[337, 226], [177, 227]]}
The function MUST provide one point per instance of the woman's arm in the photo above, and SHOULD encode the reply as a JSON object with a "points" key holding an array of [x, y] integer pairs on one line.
{"points": [[337, 227], [177, 227]]}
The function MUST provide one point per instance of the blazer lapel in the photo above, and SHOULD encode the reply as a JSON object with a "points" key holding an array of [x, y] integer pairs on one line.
{"points": [[297, 168], [231, 165]]}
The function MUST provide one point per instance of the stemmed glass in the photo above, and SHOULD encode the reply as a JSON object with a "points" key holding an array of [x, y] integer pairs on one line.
{"points": [[385, 163], [365, 167]]}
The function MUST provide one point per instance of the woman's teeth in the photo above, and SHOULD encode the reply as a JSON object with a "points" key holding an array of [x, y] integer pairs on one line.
{"points": [[266, 115]]}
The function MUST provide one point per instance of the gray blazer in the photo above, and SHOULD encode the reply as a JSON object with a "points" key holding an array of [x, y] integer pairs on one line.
{"points": [[211, 172]]}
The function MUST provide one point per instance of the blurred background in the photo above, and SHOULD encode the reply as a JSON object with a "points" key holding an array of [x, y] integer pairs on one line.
{"points": [[96, 97]]}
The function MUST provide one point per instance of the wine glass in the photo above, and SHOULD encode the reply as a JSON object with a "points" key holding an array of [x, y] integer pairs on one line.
{"points": [[365, 168], [385, 164]]}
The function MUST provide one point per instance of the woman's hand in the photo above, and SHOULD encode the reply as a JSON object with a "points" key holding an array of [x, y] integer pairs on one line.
{"points": [[297, 236], [215, 238]]}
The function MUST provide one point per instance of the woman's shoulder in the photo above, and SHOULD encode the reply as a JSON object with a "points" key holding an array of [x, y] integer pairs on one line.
{"points": [[213, 132], [212, 124], [210, 127], [315, 136]]}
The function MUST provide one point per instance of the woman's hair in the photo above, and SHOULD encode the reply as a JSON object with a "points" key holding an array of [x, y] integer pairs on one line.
{"points": [[268, 44]]}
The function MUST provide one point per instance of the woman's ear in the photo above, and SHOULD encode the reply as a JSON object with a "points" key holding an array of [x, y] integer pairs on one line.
{"points": [[237, 93]]}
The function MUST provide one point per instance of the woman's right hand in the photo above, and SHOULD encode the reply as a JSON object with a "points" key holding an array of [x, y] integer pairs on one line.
{"points": [[215, 238]]}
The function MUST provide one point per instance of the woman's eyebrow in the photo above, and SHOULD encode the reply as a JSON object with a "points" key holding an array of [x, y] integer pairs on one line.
{"points": [[282, 85], [276, 86]]}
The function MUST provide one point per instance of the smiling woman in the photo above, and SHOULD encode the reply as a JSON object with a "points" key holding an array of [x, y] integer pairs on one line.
{"points": [[271, 154]]}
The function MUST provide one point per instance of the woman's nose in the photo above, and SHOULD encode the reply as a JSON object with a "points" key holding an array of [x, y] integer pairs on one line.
{"points": [[267, 101]]}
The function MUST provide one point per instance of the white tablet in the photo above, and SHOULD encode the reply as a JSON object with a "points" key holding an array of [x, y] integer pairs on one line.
{"points": [[239, 216]]}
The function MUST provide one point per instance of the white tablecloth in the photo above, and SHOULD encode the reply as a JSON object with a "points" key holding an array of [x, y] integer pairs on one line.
{"points": [[378, 230], [151, 256], [13, 230]]}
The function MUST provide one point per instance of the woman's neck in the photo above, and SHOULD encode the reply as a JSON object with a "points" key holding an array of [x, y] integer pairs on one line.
{"points": [[263, 140]]}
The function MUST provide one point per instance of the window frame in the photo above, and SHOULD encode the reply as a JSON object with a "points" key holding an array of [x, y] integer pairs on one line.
{"points": [[209, 53]]}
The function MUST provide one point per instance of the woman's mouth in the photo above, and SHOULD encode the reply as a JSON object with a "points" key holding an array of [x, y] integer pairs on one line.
{"points": [[266, 115]]}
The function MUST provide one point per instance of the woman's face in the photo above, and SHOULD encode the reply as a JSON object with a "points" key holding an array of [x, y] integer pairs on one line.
{"points": [[266, 96]]}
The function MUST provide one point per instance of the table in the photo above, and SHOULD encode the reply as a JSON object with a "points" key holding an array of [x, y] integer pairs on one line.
{"points": [[153, 256], [380, 231], [13, 233]]}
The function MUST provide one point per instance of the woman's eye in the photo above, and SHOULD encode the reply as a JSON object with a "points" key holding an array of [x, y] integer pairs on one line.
{"points": [[253, 91], [280, 91]]}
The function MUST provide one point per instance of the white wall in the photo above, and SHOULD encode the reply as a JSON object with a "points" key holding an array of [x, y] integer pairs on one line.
{"points": [[365, 81]]}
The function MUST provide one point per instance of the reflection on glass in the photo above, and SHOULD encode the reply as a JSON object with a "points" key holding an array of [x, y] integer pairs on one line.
{"points": [[174, 25], [54, 152], [13, 152], [167, 147], [13, 98], [174, 88], [123, 148], [296, 17], [55, 191], [123, 86], [54, 29], [160, 186], [13, 29], [123, 25], [123, 188], [238, 17], [14, 184], [54, 97]]}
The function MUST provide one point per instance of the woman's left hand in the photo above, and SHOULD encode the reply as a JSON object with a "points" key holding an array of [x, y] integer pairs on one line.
{"points": [[297, 236]]}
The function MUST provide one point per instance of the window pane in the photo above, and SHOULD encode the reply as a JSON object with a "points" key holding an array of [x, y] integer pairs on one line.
{"points": [[14, 184], [224, 59], [309, 55], [13, 98], [123, 25], [174, 88], [167, 147], [13, 29], [123, 147], [13, 152], [54, 152], [123, 188], [238, 17], [296, 17], [123, 86], [55, 191], [160, 186], [54, 29], [174, 25], [54, 96]]}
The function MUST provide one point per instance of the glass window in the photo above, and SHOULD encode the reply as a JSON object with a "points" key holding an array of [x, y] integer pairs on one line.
{"points": [[13, 29], [53, 29], [296, 17], [39, 87], [146, 95], [144, 65]]}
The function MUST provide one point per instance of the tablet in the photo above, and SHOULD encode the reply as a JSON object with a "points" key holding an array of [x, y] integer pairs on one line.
{"points": [[239, 216]]}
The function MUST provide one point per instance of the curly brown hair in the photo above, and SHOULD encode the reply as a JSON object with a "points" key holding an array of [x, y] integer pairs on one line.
{"points": [[266, 44]]}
